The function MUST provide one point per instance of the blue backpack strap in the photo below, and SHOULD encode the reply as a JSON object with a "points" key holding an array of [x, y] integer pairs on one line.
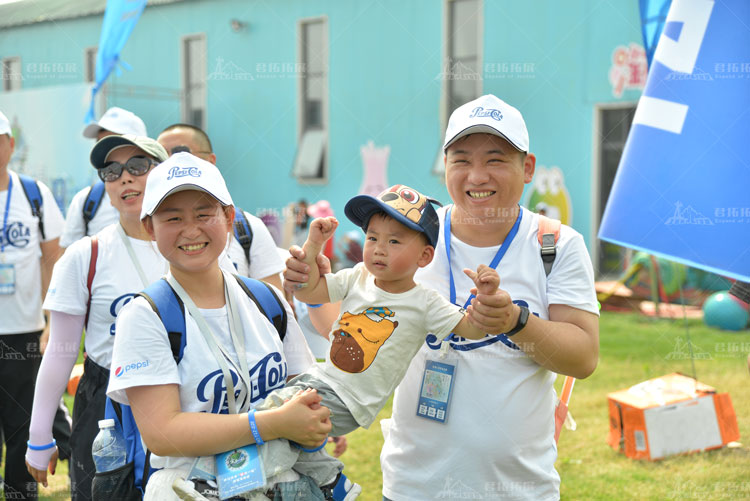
{"points": [[92, 203], [165, 303], [34, 196], [267, 301], [242, 232]]}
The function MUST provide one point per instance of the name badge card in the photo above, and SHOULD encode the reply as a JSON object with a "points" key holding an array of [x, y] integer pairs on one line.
{"points": [[7, 278], [239, 471], [437, 387]]}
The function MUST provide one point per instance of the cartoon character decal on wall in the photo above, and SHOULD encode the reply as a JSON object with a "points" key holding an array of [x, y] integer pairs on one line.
{"points": [[549, 195], [356, 342]]}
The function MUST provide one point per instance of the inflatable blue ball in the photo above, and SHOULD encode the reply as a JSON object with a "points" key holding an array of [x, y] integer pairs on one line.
{"points": [[726, 312]]}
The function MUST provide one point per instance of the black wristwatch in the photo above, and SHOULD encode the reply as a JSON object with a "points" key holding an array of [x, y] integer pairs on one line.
{"points": [[523, 317]]}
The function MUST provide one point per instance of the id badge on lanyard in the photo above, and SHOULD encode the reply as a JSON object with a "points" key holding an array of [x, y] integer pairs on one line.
{"points": [[440, 372], [437, 386], [7, 278]]}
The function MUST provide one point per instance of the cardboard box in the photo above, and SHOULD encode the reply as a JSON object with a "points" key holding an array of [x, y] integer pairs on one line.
{"points": [[672, 414]]}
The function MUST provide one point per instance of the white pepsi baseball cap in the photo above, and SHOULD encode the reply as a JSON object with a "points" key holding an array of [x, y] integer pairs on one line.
{"points": [[119, 121], [5, 125], [180, 172], [489, 115]]}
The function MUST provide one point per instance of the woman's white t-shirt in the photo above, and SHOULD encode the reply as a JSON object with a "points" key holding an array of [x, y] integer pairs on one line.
{"points": [[142, 357], [116, 282]]}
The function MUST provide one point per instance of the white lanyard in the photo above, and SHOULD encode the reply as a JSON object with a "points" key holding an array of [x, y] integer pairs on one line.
{"points": [[217, 350], [133, 257]]}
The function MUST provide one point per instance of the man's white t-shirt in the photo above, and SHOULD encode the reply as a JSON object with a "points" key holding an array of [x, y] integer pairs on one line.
{"points": [[264, 258], [116, 282], [22, 310], [376, 336], [75, 228], [498, 439], [142, 357]]}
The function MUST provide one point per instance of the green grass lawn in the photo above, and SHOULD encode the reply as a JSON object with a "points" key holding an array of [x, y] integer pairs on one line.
{"points": [[633, 348]]}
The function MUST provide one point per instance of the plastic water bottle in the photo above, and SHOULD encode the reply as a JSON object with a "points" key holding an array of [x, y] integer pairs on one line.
{"points": [[108, 450]]}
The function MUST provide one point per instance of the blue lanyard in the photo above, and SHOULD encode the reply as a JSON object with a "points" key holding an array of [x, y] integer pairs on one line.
{"points": [[495, 261], [7, 210]]}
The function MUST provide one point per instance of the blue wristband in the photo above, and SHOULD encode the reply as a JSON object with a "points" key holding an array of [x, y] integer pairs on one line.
{"points": [[314, 305], [41, 447], [316, 449], [254, 427]]}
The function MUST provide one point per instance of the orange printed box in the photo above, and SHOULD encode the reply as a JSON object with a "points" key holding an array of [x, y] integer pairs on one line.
{"points": [[672, 414]]}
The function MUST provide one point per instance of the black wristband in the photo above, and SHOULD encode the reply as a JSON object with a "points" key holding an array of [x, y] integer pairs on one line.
{"points": [[523, 317]]}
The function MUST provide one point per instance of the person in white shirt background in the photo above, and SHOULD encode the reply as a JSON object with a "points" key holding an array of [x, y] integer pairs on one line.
{"points": [[498, 440], [126, 262], [264, 262], [115, 121], [27, 256]]}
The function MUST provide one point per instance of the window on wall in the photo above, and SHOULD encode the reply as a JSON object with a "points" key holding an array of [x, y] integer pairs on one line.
{"points": [[11, 73], [614, 126], [463, 75], [194, 80], [310, 162], [89, 64], [462, 62]]}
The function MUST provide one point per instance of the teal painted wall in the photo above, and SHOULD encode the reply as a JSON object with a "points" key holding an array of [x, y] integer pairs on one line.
{"points": [[384, 84]]}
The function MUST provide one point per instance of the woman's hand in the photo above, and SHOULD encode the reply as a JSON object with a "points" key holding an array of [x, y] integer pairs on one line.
{"points": [[46, 456], [301, 419]]}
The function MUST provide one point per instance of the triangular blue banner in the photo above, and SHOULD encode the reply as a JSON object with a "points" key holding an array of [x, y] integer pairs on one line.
{"points": [[120, 17], [682, 190]]}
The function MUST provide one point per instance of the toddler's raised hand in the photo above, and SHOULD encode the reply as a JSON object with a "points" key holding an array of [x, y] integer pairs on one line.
{"points": [[485, 279], [321, 229]]}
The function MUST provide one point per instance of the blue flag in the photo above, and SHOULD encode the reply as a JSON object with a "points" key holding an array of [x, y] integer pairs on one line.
{"points": [[682, 189], [120, 17], [653, 16]]}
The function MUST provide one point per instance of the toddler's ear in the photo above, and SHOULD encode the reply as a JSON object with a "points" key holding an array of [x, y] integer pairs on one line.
{"points": [[428, 253]]}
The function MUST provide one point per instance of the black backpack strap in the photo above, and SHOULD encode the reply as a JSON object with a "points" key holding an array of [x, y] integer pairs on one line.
{"points": [[91, 203], [267, 302], [34, 196], [242, 232], [547, 235]]}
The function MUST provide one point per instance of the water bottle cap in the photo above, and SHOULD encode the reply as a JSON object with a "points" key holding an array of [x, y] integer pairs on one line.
{"points": [[106, 423]]}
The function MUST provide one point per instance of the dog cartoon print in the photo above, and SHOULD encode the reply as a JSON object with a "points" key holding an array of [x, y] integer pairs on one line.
{"points": [[356, 342], [408, 202]]}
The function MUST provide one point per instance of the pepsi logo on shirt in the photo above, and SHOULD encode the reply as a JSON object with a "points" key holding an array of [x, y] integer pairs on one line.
{"points": [[463, 344], [267, 375]]}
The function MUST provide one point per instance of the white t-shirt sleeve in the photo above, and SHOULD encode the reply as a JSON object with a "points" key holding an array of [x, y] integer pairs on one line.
{"points": [[571, 281], [264, 258], [441, 316], [53, 218], [142, 355], [340, 283], [67, 291], [74, 228]]}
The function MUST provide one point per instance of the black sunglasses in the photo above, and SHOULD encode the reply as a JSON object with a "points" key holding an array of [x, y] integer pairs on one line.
{"points": [[137, 166]]}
